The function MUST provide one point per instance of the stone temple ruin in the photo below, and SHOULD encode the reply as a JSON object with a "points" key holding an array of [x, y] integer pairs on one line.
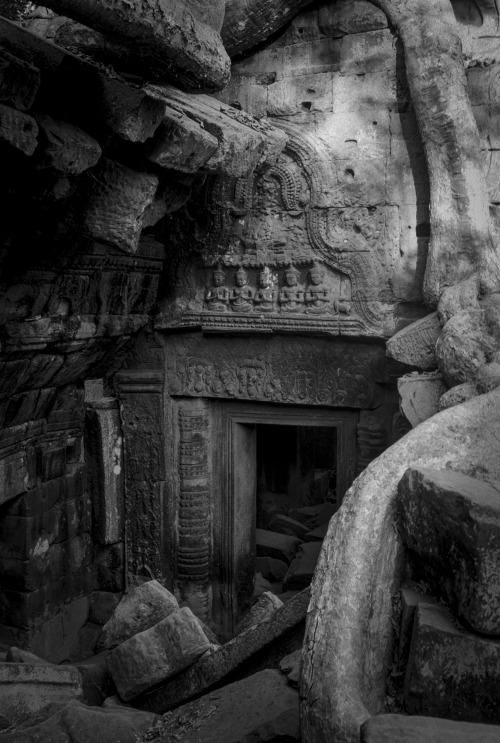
{"points": [[250, 371]]}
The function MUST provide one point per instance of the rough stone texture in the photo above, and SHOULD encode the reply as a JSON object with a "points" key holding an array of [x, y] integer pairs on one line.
{"points": [[97, 683], [181, 143], [290, 667], [410, 599], [64, 147], [457, 395], [26, 689], [19, 82], [271, 568], [18, 655], [397, 728], [18, 130], [464, 346], [263, 609], [209, 670], [259, 708], [247, 24], [451, 672], [141, 608], [129, 111], [419, 396], [350, 18], [452, 522], [116, 202], [344, 669], [157, 653], [415, 344], [273, 544], [75, 722], [302, 567], [171, 40]]}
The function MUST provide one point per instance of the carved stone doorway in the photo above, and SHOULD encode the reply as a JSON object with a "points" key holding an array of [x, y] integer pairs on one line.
{"points": [[234, 484]]}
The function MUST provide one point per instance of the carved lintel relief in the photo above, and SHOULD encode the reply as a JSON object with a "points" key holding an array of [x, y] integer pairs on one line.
{"points": [[270, 253], [194, 511], [305, 372]]}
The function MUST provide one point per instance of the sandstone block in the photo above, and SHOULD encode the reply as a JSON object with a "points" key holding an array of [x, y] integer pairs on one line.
{"points": [[19, 82], [419, 395], [140, 609], [97, 683], [415, 345], [300, 93], [302, 567], [286, 525], [371, 51], [410, 599], [273, 544], [317, 535], [264, 607], [64, 147], [181, 144], [464, 346], [18, 655], [246, 93], [259, 708], [450, 672], [156, 654], [290, 667], [452, 522], [346, 17], [75, 722], [18, 130], [103, 605], [397, 728], [117, 198], [212, 668], [457, 395], [26, 689], [129, 111], [270, 568]]}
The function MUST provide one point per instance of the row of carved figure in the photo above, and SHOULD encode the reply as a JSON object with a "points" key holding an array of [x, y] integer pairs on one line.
{"points": [[317, 297]]}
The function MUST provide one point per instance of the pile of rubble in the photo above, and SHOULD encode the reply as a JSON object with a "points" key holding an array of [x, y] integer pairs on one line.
{"points": [[154, 657]]}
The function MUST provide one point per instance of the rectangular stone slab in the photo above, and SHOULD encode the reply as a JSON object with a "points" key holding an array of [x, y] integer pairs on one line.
{"points": [[451, 672], [157, 653], [452, 522], [26, 688], [397, 728], [210, 669]]}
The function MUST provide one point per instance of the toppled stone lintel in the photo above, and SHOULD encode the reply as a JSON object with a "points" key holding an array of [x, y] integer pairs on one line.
{"points": [[212, 668], [244, 143]]}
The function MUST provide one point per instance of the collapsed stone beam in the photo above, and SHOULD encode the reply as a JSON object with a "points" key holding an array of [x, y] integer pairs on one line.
{"points": [[168, 40]]}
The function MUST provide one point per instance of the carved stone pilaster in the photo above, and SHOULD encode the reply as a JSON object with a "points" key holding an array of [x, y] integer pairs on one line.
{"points": [[141, 406], [194, 513]]}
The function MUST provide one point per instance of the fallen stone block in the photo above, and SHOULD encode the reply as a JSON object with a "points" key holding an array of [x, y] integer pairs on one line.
{"points": [[75, 722], [410, 599], [18, 655], [302, 567], [259, 708], [419, 395], [213, 667], [19, 81], [138, 610], [117, 199], [26, 689], [270, 568], [181, 143], [272, 544], [398, 728], [286, 525], [451, 672], [263, 608], [316, 535], [65, 148], [415, 345], [156, 654], [97, 683], [452, 522], [290, 667], [18, 130], [129, 111]]}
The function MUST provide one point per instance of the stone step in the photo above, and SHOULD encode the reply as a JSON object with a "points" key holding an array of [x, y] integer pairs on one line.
{"points": [[452, 522], [451, 672]]}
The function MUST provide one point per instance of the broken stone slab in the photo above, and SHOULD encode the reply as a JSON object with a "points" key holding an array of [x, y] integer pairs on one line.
{"points": [[410, 599], [64, 147], [18, 130], [285, 525], [398, 728], [19, 81], [259, 708], [96, 679], [451, 672], [270, 568], [415, 345], [181, 143], [244, 143], [316, 515], [18, 655], [75, 722], [273, 544], [128, 110], [116, 200], [26, 689], [264, 607], [212, 668], [156, 654], [139, 609], [303, 565], [317, 535], [290, 667], [419, 395], [452, 522]]}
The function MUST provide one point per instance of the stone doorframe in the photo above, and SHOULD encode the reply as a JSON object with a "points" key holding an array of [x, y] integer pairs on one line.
{"points": [[214, 488]]}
